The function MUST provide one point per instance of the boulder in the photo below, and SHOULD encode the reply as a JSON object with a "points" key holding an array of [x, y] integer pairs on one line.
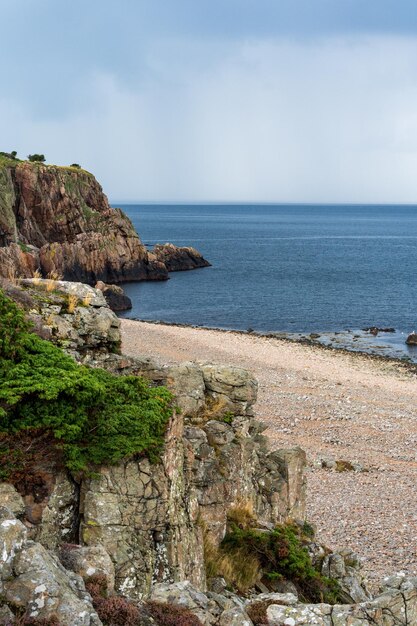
{"points": [[178, 259], [411, 339], [87, 562], [11, 499], [33, 581], [115, 297]]}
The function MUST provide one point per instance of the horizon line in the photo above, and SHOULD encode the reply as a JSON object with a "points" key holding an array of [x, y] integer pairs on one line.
{"points": [[252, 203]]}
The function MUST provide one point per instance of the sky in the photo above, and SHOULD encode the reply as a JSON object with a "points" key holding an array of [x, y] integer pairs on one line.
{"points": [[217, 100]]}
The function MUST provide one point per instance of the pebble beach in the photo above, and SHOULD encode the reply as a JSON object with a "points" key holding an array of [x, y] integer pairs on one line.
{"points": [[348, 411]]}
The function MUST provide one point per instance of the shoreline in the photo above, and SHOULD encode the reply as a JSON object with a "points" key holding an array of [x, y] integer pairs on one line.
{"points": [[336, 404], [282, 336]]}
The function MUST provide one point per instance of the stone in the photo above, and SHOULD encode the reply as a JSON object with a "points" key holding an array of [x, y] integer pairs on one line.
{"points": [[178, 259], [299, 615], [116, 298], [411, 339], [285, 599], [184, 594], [235, 617], [33, 580], [88, 561], [345, 567], [11, 499], [7, 618]]}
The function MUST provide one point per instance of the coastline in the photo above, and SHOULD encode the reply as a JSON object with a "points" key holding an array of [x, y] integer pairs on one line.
{"points": [[291, 338], [337, 405]]}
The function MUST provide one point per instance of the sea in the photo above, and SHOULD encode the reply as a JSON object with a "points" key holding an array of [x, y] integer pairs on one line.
{"points": [[291, 270]]}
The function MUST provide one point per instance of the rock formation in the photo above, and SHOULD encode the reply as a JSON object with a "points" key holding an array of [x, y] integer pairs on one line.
{"points": [[145, 527], [178, 259], [58, 220]]}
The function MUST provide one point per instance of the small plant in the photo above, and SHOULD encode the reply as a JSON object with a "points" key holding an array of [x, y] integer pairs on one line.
{"points": [[242, 514], [67, 555], [172, 614], [53, 277], [227, 417], [72, 302], [12, 275], [96, 585], [37, 277], [117, 611], [257, 612], [77, 165], [281, 553], [344, 466]]}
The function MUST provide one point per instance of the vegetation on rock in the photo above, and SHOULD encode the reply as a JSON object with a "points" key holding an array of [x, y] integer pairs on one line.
{"points": [[119, 611], [95, 417], [281, 554]]}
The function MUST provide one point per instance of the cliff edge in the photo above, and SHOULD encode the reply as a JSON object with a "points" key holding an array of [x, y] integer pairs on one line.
{"points": [[58, 220]]}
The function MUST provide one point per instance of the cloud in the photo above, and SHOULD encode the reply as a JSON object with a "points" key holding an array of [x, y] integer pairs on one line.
{"points": [[323, 119]]}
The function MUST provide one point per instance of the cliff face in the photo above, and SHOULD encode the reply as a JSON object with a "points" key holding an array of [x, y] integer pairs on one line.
{"points": [[59, 220]]}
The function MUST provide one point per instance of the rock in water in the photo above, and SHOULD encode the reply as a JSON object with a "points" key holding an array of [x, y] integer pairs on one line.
{"points": [[411, 339], [178, 259], [115, 297]]}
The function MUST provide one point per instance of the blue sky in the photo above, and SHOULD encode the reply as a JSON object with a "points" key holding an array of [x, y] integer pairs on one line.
{"points": [[236, 100]]}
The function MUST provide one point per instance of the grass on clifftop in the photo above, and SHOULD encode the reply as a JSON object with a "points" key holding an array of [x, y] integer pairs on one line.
{"points": [[94, 416]]}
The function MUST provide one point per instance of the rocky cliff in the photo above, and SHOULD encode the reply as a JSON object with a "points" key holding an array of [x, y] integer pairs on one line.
{"points": [[155, 532], [58, 220]]}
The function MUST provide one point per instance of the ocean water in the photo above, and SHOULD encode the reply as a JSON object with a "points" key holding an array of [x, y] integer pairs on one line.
{"points": [[296, 269]]}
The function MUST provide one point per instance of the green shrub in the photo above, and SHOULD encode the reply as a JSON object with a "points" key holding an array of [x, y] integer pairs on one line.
{"points": [[36, 158], [94, 416], [281, 554]]}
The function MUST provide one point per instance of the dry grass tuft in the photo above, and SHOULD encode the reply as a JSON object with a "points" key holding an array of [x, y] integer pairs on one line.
{"points": [[242, 514], [72, 302], [53, 278], [237, 568], [37, 277], [11, 275]]}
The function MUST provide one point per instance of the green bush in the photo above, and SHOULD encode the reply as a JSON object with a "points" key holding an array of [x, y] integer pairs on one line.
{"points": [[36, 158], [282, 555], [94, 416]]}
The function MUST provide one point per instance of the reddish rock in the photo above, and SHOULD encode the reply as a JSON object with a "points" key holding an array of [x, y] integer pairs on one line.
{"points": [[178, 259], [63, 223]]}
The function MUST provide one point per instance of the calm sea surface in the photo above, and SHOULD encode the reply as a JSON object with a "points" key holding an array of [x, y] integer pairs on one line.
{"points": [[297, 269]]}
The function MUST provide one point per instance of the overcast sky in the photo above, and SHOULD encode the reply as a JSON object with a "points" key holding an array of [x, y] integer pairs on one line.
{"points": [[217, 100]]}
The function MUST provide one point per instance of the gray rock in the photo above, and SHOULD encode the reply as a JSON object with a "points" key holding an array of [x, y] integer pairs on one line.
{"points": [[300, 615], [11, 499], [33, 580], [88, 561], [235, 617], [286, 599]]}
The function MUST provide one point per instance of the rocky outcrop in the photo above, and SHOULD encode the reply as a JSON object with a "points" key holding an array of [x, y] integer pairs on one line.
{"points": [[144, 527], [58, 220], [178, 259], [33, 580], [74, 316], [395, 606], [116, 298]]}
